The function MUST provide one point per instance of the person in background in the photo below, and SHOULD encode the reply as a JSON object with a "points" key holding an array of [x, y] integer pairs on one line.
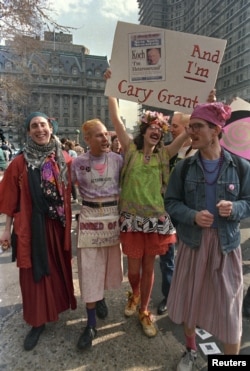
{"points": [[79, 149], [178, 124], [146, 228], [115, 145], [70, 148], [97, 173], [3, 162], [208, 202], [7, 151], [35, 196], [63, 141]]}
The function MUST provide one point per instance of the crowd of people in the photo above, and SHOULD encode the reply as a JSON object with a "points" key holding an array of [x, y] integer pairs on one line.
{"points": [[6, 154], [140, 197]]}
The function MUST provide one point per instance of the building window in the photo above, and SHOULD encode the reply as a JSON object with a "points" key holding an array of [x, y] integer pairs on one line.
{"points": [[98, 73], [8, 66], [65, 99]]}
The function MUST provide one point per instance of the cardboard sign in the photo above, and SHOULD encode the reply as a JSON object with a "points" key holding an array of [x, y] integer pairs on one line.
{"points": [[162, 68]]}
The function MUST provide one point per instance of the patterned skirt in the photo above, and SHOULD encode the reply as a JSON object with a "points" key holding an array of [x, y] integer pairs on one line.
{"points": [[135, 223], [146, 236]]}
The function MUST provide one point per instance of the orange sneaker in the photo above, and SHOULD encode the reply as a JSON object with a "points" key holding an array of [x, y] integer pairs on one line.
{"points": [[132, 304], [147, 323]]}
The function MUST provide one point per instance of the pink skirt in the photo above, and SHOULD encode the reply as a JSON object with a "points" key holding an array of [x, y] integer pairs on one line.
{"points": [[207, 289]]}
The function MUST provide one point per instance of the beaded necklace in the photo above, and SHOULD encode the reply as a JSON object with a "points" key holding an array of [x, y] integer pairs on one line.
{"points": [[216, 169]]}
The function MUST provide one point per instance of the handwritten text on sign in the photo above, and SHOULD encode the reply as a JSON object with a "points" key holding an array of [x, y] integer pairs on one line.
{"points": [[180, 80]]}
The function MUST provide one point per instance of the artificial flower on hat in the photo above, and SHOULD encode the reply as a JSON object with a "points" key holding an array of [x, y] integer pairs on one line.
{"points": [[154, 117]]}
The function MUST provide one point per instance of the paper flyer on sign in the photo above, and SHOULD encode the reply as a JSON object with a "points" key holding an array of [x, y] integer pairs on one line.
{"points": [[147, 56], [162, 68]]}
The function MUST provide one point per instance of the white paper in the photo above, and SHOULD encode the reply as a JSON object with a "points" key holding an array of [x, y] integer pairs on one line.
{"points": [[209, 348], [202, 333]]}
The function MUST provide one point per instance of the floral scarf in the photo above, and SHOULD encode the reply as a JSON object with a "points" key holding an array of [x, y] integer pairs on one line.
{"points": [[47, 171]]}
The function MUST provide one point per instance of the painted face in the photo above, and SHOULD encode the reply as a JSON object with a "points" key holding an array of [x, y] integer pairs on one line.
{"points": [[201, 134], [98, 139], [176, 127], [40, 130]]}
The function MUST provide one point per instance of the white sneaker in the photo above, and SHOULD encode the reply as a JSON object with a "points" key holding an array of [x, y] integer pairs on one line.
{"points": [[187, 360]]}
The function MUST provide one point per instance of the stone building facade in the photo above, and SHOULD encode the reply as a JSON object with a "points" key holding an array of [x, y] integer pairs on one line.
{"points": [[66, 83]]}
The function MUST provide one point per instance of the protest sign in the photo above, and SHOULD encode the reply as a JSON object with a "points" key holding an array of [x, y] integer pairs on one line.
{"points": [[162, 68]]}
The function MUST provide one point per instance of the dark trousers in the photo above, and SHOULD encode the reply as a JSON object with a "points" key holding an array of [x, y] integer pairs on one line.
{"points": [[246, 301], [73, 191], [167, 268]]}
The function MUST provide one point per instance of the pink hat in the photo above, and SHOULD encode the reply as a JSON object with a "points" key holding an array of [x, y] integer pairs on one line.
{"points": [[217, 113]]}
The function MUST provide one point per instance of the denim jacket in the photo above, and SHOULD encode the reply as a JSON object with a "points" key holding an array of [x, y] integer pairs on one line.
{"points": [[185, 197]]}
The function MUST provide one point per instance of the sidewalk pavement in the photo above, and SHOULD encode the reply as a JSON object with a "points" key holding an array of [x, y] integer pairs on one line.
{"points": [[120, 344]]}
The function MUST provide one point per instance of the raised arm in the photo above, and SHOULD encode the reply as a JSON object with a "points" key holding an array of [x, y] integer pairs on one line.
{"points": [[116, 118], [118, 124]]}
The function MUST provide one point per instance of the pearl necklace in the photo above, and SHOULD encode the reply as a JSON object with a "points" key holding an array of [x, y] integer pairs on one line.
{"points": [[216, 169]]}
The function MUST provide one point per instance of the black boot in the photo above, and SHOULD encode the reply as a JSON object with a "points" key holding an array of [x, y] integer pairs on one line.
{"points": [[101, 309], [246, 304], [33, 337], [162, 307], [85, 340]]}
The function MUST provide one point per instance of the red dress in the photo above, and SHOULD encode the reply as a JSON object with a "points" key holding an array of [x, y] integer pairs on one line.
{"points": [[53, 294]]}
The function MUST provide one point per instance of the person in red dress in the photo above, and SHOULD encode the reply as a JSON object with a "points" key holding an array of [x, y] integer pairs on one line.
{"points": [[35, 196]]}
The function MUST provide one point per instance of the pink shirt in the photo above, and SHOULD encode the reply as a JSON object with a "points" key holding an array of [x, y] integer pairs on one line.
{"points": [[97, 176]]}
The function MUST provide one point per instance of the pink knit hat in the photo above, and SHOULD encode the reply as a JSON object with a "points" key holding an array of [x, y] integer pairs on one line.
{"points": [[217, 113]]}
